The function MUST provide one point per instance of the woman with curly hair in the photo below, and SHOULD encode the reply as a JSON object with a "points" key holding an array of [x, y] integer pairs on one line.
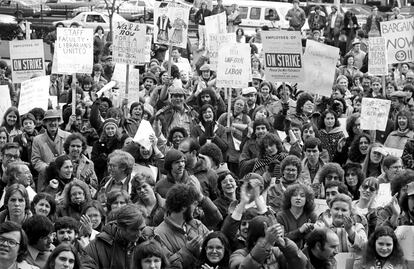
{"points": [[227, 187], [353, 178], [359, 148], [298, 214], [403, 131], [215, 252], [175, 137], [383, 251], [76, 194], [329, 172], [291, 168], [270, 152], [330, 132], [58, 174]]}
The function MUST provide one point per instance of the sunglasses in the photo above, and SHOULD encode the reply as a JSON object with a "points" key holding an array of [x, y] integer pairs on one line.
{"points": [[370, 188]]}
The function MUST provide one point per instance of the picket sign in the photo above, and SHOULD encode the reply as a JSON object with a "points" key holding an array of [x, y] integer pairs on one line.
{"points": [[398, 36], [374, 113]]}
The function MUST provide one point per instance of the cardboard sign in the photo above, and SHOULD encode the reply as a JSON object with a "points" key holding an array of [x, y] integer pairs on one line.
{"points": [[405, 236], [394, 152], [320, 206], [216, 41], [171, 24], [143, 133], [233, 66], [319, 64], [345, 260], [377, 60], [399, 38], [74, 50], [119, 76], [27, 59], [5, 101], [384, 196], [34, 93], [215, 24], [128, 44], [374, 113], [283, 56]]}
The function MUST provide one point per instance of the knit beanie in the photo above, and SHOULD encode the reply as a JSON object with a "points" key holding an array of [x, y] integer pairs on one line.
{"points": [[172, 156], [110, 121]]}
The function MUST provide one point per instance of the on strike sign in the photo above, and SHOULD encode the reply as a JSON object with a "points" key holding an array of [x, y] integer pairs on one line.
{"points": [[74, 50], [129, 43], [399, 37], [283, 56], [27, 59]]}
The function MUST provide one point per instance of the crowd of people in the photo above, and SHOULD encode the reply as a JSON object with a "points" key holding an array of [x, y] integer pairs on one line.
{"points": [[215, 186]]}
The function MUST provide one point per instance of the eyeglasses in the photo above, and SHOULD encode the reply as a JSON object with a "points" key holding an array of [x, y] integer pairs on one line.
{"points": [[9, 242], [370, 188]]}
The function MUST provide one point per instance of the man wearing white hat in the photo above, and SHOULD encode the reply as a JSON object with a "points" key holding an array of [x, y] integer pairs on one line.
{"points": [[47, 146], [250, 95]]}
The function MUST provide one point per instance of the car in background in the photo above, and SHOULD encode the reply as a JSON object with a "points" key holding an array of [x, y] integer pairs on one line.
{"points": [[66, 7], [407, 11], [91, 19], [8, 27], [23, 8], [132, 10]]}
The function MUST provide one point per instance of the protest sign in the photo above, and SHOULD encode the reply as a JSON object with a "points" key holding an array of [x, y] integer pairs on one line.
{"points": [[27, 59], [398, 35], [128, 44], [405, 236], [74, 49], [377, 60], [215, 41], [143, 134], [283, 56], [215, 24], [119, 76], [320, 206], [345, 260], [34, 93], [319, 64], [233, 65], [384, 196], [5, 101], [374, 113], [171, 24]]}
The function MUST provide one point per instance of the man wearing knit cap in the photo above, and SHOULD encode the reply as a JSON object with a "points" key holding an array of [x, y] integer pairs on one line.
{"points": [[25, 140], [174, 166], [49, 145]]}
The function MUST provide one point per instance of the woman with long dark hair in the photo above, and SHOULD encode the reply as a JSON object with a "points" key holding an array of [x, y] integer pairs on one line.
{"points": [[11, 121], [330, 132], [215, 252], [383, 251], [403, 131], [353, 178], [359, 148], [63, 256]]}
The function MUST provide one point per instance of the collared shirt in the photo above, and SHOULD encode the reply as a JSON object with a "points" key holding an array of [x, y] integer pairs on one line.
{"points": [[36, 257], [117, 186]]}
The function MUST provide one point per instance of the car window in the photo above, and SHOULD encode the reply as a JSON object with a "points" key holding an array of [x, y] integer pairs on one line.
{"points": [[243, 12], [255, 13], [271, 14], [89, 18]]}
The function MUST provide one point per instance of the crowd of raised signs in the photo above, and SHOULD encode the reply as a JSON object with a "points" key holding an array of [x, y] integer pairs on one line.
{"points": [[191, 176]]}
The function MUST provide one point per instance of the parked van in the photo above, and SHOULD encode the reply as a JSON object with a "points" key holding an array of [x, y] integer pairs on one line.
{"points": [[256, 14]]}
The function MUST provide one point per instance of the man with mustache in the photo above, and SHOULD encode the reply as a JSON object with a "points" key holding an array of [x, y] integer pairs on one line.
{"points": [[180, 233], [47, 146]]}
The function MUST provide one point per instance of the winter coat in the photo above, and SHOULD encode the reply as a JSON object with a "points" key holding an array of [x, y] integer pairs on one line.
{"points": [[330, 140], [99, 155]]}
